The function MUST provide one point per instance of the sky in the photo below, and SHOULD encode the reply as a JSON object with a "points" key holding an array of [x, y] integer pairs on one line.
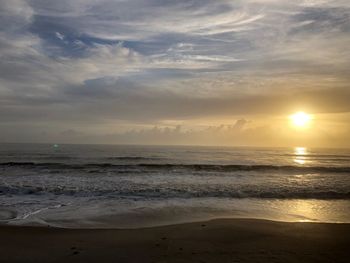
{"points": [[203, 72]]}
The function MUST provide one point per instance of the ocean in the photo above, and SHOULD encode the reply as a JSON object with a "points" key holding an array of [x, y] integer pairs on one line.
{"points": [[117, 186]]}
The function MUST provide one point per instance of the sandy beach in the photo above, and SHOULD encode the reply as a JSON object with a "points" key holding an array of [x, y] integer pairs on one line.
{"points": [[224, 240]]}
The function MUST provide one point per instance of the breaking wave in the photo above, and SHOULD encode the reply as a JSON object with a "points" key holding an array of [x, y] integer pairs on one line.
{"points": [[176, 192], [194, 167]]}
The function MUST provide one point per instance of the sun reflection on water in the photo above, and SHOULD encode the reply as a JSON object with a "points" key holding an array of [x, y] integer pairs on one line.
{"points": [[300, 155], [307, 209]]}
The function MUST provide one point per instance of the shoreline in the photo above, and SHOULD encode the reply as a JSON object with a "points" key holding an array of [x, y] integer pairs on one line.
{"points": [[218, 240], [140, 214], [108, 225]]}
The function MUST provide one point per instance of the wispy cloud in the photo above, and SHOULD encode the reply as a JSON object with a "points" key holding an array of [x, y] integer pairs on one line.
{"points": [[149, 61]]}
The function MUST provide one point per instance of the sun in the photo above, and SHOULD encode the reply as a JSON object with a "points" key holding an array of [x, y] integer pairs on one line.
{"points": [[300, 119]]}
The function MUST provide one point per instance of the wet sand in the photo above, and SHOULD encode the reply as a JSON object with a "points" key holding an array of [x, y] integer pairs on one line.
{"points": [[224, 240]]}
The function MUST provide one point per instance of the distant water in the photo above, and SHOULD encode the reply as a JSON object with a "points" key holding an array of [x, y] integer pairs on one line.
{"points": [[133, 186]]}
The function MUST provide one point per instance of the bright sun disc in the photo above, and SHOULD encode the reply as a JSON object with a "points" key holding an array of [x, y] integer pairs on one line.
{"points": [[300, 119]]}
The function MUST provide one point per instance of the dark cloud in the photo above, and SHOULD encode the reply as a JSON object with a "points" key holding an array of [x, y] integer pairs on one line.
{"points": [[113, 100]]}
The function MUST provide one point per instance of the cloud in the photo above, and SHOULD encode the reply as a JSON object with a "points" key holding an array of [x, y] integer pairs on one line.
{"points": [[116, 61], [239, 133], [15, 14], [59, 35]]}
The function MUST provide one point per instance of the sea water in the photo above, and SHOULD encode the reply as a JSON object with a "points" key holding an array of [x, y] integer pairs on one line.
{"points": [[138, 186]]}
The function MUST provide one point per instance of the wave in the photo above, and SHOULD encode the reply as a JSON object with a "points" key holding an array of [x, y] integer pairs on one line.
{"points": [[149, 193], [171, 167], [134, 158], [318, 155]]}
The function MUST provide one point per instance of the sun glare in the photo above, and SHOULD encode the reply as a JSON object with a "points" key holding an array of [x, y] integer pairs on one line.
{"points": [[300, 119], [300, 155]]}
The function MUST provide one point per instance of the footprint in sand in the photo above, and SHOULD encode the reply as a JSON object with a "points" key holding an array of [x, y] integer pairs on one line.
{"points": [[75, 252]]}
